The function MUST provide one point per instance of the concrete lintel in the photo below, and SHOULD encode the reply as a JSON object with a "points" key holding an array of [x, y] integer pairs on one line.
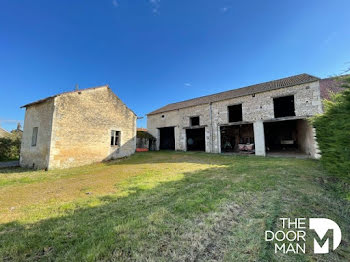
{"points": [[164, 127], [286, 118], [195, 127], [237, 123]]}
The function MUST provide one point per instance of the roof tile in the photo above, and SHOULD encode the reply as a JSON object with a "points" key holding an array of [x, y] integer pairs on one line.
{"points": [[249, 90]]}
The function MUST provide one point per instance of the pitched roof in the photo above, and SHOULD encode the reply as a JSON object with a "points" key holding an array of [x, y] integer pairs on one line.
{"points": [[248, 90], [329, 86], [4, 133], [50, 97]]}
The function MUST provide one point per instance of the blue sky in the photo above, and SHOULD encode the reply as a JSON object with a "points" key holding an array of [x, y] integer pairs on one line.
{"points": [[156, 52]]}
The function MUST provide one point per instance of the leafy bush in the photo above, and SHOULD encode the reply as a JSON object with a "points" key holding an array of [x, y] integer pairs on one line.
{"points": [[144, 134], [333, 132], [9, 148]]}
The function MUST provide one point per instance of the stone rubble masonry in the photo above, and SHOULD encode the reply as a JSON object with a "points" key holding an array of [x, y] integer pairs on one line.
{"points": [[255, 109], [75, 129], [39, 116]]}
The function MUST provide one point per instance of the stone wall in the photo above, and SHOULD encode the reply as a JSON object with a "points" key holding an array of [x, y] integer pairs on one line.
{"points": [[307, 138], [82, 128], [259, 107], [40, 116], [254, 108], [168, 119]]}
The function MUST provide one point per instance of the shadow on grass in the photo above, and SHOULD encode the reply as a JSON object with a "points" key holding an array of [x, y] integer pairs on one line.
{"points": [[9, 170], [166, 221], [141, 224]]}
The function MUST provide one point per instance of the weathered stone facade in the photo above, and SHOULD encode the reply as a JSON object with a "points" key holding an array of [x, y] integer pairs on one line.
{"points": [[39, 115], [256, 109], [74, 129]]}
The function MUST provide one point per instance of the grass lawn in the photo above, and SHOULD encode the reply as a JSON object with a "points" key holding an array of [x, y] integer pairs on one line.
{"points": [[166, 206]]}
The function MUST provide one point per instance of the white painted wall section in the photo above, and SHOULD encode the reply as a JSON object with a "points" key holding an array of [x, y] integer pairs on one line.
{"points": [[259, 137]]}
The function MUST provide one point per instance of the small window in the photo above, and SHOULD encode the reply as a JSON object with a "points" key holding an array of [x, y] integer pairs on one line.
{"points": [[35, 136], [284, 106], [235, 113], [194, 121], [115, 138]]}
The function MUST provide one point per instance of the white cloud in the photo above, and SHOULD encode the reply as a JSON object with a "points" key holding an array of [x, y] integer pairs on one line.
{"points": [[155, 5], [115, 3], [224, 9], [188, 84]]}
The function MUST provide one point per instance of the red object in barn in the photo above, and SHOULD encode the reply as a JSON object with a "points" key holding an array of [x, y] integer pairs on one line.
{"points": [[141, 149]]}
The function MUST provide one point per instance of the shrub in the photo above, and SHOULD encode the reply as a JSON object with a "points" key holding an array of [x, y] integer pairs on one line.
{"points": [[333, 132], [9, 148]]}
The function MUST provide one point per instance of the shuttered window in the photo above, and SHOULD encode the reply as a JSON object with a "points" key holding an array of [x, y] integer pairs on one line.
{"points": [[35, 136]]}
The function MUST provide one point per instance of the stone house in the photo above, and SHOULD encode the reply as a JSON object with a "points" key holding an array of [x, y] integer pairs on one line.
{"points": [[265, 118], [77, 128]]}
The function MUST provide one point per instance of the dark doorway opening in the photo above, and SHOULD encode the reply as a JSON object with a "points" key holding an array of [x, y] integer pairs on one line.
{"points": [[167, 138], [281, 136], [237, 138], [289, 138], [284, 106], [195, 139]]}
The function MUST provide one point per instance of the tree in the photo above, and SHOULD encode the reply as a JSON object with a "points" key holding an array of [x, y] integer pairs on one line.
{"points": [[333, 131], [9, 148]]}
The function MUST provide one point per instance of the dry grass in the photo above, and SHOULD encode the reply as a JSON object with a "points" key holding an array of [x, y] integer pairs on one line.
{"points": [[164, 206], [25, 191]]}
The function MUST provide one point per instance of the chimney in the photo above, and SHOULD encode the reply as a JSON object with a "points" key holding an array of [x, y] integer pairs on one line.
{"points": [[76, 87]]}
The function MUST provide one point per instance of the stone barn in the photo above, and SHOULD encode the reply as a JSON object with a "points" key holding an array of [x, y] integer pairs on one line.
{"points": [[77, 128], [266, 118]]}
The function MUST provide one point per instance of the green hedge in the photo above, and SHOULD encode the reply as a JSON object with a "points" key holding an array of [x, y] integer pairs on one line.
{"points": [[144, 134], [9, 148], [333, 133]]}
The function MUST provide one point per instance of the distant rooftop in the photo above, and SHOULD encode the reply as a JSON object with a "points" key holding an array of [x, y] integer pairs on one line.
{"points": [[331, 85], [248, 90], [4, 132]]}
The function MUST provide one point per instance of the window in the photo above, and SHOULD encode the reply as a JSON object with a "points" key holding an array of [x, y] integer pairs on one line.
{"points": [[235, 113], [284, 106], [194, 121], [35, 136], [115, 138]]}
